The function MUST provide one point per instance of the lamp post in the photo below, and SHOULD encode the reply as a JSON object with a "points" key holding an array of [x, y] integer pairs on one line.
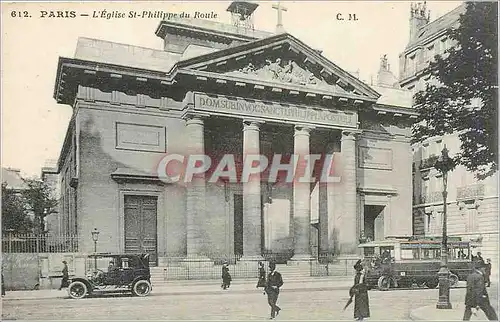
{"points": [[444, 164], [95, 237]]}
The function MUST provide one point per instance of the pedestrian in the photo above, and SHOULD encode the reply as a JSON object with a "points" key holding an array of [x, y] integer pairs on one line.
{"points": [[359, 291], [479, 259], [487, 272], [226, 277], [3, 286], [274, 282], [476, 295], [262, 276], [65, 277]]}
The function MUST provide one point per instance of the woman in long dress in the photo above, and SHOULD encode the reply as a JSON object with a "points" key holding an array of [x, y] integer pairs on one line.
{"points": [[360, 293], [262, 276]]}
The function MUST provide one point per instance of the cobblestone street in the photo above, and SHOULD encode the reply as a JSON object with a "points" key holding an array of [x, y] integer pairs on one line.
{"points": [[226, 305]]}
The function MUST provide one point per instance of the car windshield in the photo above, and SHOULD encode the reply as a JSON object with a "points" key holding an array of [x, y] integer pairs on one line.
{"points": [[115, 262]]}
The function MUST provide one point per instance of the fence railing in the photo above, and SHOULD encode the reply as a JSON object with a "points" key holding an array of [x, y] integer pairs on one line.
{"points": [[38, 243], [328, 265], [206, 267]]}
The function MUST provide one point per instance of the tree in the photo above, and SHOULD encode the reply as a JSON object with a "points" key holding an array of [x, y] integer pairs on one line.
{"points": [[14, 214], [464, 98], [39, 199]]}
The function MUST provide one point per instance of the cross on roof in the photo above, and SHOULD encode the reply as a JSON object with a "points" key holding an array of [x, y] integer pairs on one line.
{"points": [[280, 9]]}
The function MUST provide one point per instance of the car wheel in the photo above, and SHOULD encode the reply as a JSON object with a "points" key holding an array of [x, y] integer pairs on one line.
{"points": [[433, 283], [384, 283], [453, 279], [141, 288], [77, 290]]}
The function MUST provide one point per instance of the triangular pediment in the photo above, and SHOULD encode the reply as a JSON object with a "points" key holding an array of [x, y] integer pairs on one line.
{"points": [[281, 60]]}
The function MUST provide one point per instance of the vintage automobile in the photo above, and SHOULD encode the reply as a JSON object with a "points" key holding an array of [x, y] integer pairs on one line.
{"points": [[124, 273], [394, 263]]}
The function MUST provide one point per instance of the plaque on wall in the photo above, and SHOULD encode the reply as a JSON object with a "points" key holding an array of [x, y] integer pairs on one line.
{"points": [[375, 158], [140, 137]]}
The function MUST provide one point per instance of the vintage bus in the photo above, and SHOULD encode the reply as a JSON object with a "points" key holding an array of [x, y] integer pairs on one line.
{"points": [[393, 263]]}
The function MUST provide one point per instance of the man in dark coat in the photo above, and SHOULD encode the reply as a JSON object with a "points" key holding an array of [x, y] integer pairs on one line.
{"points": [[487, 272], [274, 282], [476, 295], [65, 277], [360, 293], [3, 286], [226, 277]]}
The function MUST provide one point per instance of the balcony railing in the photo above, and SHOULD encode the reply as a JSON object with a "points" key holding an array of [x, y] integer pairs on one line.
{"points": [[436, 196], [470, 192]]}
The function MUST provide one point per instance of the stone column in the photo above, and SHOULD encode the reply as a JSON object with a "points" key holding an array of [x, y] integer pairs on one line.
{"points": [[301, 197], [195, 190], [251, 196], [348, 232]]}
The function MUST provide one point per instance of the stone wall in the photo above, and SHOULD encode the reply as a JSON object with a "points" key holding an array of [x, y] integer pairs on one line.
{"points": [[28, 271]]}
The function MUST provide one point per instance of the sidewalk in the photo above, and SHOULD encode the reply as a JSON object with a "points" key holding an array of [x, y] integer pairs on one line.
{"points": [[430, 313], [201, 287]]}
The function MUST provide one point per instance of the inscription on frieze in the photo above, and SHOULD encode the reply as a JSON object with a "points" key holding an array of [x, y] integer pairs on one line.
{"points": [[238, 107]]}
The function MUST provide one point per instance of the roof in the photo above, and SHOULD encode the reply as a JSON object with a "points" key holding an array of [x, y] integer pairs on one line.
{"points": [[13, 179], [394, 96], [442, 23], [210, 27], [108, 52]]}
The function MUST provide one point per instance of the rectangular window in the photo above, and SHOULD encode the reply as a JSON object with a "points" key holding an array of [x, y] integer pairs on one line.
{"points": [[471, 217], [430, 53], [410, 252], [442, 45]]}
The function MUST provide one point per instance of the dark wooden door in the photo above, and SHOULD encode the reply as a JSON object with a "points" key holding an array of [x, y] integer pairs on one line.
{"points": [[140, 225], [238, 224]]}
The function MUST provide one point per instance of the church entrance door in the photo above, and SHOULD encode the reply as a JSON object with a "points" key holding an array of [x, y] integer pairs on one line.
{"points": [[140, 225], [374, 222]]}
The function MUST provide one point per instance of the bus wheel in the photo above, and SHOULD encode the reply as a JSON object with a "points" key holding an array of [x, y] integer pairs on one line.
{"points": [[384, 283], [453, 279]]}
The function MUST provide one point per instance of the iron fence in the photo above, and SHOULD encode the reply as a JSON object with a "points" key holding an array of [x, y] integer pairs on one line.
{"points": [[329, 265], [204, 267], [38, 243]]}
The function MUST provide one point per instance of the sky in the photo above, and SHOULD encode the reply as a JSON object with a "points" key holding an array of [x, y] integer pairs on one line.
{"points": [[34, 125]]}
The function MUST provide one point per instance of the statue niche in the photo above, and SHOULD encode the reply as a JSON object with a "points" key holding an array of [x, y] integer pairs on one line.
{"points": [[287, 72]]}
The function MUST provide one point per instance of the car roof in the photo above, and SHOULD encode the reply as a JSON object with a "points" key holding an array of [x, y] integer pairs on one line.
{"points": [[380, 243], [118, 255]]}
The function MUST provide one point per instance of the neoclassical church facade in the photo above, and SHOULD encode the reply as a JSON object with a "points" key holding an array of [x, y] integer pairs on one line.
{"points": [[220, 89]]}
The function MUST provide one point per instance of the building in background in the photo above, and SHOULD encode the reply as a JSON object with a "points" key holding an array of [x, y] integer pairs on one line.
{"points": [[472, 203], [13, 180], [55, 223]]}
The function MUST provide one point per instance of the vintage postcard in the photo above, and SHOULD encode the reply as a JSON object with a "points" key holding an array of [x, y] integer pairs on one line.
{"points": [[249, 160]]}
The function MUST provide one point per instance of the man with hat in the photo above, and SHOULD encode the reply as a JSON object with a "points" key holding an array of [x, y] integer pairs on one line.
{"points": [[274, 282], [226, 277], [65, 278], [476, 296]]}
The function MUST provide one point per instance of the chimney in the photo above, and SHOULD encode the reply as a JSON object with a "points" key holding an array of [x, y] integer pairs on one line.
{"points": [[419, 16]]}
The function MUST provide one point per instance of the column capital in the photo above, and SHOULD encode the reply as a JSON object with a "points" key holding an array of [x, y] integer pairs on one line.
{"points": [[195, 118], [350, 134], [302, 129], [252, 124]]}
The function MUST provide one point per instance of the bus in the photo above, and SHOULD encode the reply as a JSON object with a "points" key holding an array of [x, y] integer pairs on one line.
{"points": [[394, 263]]}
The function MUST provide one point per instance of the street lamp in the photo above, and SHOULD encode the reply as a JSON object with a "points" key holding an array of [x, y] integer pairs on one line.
{"points": [[444, 164], [95, 237]]}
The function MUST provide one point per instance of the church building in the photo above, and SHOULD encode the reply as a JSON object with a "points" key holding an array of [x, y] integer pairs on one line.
{"points": [[227, 89]]}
